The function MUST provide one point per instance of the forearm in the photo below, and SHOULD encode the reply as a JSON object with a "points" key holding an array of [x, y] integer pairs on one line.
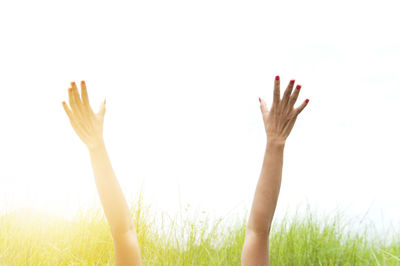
{"points": [[267, 190], [110, 192]]}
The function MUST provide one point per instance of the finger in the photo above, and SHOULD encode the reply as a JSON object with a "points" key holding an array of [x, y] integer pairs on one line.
{"points": [[277, 92], [84, 95], [288, 92], [294, 96], [73, 102], [71, 99], [75, 92], [78, 101], [263, 106], [77, 126], [78, 104], [102, 109], [67, 110], [301, 107]]}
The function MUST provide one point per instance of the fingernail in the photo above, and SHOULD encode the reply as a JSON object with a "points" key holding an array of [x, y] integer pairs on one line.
{"points": [[292, 81], [307, 100], [277, 78], [259, 99], [83, 82], [73, 83], [298, 87], [104, 101]]}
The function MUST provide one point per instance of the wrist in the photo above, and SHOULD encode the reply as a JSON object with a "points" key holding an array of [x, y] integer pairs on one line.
{"points": [[276, 142], [96, 146]]}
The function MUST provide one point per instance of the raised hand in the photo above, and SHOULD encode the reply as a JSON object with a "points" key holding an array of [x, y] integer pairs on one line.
{"points": [[280, 119], [278, 123], [87, 125]]}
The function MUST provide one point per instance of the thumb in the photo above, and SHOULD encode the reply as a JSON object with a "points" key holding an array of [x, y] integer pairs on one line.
{"points": [[102, 109], [263, 106]]}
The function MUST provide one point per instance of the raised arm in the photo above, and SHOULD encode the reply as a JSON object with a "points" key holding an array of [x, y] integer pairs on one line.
{"points": [[89, 127], [278, 123]]}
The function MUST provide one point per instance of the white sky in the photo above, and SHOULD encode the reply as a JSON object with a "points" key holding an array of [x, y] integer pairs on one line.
{"points": [[182, 81]]}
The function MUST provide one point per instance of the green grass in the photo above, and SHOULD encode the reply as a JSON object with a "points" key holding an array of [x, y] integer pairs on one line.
{"points": [[29, 238]]}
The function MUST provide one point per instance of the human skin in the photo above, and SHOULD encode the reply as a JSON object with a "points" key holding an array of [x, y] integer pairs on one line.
{"points": [[89, 127], [278, 123]]}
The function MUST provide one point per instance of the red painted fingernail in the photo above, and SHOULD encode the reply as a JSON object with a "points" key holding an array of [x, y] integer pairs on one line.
{"points": [[259, 99], [277, 78], [292, 81], [298, 87], [83, 82], [307, 100], [73, 83]]}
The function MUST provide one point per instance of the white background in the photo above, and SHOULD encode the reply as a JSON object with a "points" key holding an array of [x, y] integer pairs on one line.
{"points": [[182, 81]]}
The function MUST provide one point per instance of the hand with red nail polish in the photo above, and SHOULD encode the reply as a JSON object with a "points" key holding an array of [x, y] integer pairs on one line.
{"points": [[280, 119], [278, 122], [87, 125]]}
